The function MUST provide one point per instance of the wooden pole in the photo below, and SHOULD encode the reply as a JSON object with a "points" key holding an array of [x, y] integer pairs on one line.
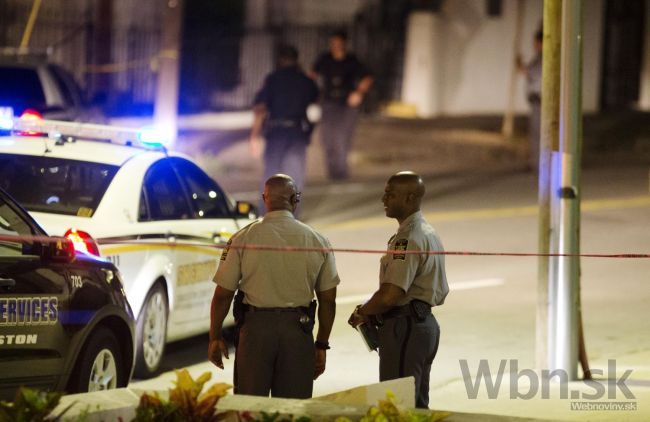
{"points": [[549, 141]]}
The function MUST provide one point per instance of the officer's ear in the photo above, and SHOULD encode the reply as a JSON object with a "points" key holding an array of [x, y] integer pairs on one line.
{"points": [[295, 198]]}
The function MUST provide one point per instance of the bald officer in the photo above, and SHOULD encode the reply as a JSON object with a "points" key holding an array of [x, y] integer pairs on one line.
{"points": [[409, 285], [276, 352]]}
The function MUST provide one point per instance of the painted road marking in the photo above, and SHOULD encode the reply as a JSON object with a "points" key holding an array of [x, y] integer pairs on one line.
{"points": [[492, 213], [461, 285]]}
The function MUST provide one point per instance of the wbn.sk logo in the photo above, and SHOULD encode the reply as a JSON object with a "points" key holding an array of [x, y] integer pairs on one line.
{"points": [[608, 387]]}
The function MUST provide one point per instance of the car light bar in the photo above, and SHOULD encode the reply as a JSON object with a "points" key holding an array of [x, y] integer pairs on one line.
{"points": [[86, 131]]}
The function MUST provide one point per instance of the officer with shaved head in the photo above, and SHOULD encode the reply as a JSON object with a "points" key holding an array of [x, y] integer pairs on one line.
{"points": [[410, 283], [275, 352]]}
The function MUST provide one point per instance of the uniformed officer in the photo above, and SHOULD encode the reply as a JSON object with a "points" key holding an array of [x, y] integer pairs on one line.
{"points": [[409, 285], [276, 352], [280, 110]]}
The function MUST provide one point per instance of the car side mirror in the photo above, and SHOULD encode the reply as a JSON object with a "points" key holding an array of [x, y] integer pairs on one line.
{"points": [[246, 209], [60, 250]]}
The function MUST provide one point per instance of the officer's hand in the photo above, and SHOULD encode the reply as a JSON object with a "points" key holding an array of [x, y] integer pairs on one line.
{"points": [[321, 357], [355, 99], [356, 318], [217, 349]]}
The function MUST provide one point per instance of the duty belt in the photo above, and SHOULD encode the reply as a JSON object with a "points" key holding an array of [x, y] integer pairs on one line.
{"points": [[404, 310], [274, 123], [251, 308]]}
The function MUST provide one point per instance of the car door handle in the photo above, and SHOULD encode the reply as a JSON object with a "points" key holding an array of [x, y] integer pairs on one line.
{"points": [[7, 283]]}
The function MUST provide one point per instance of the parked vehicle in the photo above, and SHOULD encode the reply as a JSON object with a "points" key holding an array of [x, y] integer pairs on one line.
{"points": [[65, 322], [33, 86], [152, 212]]}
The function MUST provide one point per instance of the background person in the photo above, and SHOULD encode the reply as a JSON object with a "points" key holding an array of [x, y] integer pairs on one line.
{"points": [[280, 110], [533, 72], [409, 285], [276, 352], [345, 82]]}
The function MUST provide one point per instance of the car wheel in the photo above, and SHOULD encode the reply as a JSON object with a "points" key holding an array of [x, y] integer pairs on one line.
{"points": [[99, 366], [151, 332]]}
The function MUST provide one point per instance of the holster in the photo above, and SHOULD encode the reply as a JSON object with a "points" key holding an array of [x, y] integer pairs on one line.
{"points": [[308, 317], [420, 310], [238, 312]]}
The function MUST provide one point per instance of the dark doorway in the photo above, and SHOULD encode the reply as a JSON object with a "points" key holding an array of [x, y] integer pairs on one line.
{"points": [[622, 53]]}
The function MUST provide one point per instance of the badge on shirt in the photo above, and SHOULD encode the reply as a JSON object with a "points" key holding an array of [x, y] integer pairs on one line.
{"points": [[400, 245], [224, 254]]}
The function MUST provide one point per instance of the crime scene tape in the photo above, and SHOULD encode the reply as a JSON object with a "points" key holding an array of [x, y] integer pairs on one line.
{"points": [[53, 239]]}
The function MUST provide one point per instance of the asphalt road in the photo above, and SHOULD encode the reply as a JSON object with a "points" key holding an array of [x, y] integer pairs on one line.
{"points": [[490, 312]]}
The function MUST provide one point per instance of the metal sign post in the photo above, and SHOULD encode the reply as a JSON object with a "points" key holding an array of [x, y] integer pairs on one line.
{"points": [[565, 205]]}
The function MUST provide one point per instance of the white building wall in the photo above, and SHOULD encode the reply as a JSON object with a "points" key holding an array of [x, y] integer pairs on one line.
{"points": [[475, 53]]}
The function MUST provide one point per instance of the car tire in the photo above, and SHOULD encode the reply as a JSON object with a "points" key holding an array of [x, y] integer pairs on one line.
{"points": [[100, 364], [151, 333]]}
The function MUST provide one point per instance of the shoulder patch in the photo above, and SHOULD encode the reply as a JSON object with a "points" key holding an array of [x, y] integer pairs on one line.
{"points": [[224, 254], [400, 245]]}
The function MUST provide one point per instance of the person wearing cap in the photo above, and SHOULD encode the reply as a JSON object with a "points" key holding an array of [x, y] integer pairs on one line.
{"points": [[412, 280], [280, 117], [345, 82], [275, 351]]}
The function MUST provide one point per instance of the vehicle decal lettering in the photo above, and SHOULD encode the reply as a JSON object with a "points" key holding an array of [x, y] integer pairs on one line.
{"points": [[77, 281], [196, 273], [8, 339], [26, 311]]}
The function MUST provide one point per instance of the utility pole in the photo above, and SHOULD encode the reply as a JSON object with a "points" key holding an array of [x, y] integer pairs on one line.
{"points": [[166, 102], [565, 200], [550, 127]]}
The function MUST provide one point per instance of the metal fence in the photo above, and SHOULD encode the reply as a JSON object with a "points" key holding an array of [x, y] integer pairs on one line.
{"points": [[223, 73]]}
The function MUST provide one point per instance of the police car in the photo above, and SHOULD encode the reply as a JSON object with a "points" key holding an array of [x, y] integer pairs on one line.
{"points": [[65, 323], [154, 213]]}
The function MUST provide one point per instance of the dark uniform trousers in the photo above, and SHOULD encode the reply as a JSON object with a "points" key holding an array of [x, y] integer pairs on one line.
{"points": [[407, 348], [274, 355], [336, 130]]}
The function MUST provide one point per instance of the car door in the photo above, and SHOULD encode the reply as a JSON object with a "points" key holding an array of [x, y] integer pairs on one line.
{"points": [[202, 237], [33, 291]]}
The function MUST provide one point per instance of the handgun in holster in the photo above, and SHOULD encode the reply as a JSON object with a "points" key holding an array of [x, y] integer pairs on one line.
{"points": [[420, 309], [308, 317], [238, 312]]}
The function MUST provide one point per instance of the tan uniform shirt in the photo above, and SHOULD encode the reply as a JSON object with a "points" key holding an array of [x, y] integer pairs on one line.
{"points": [[282, 279], [421, 276]]}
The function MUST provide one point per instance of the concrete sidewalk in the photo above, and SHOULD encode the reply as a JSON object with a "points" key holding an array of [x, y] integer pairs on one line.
{"points": [[382, 146]]}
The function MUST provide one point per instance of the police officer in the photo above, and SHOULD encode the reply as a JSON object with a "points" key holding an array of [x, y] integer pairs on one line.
{"points": [[276, 352], [280, 112], [409, 285], [345, 82]]}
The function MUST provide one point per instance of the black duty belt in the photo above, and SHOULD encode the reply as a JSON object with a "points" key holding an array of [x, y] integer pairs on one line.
{"points": [[251, 308], [406, 310]]}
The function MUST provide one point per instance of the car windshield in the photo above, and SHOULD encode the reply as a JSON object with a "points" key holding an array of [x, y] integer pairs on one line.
{"points": [[20, 87], [55, 185]]}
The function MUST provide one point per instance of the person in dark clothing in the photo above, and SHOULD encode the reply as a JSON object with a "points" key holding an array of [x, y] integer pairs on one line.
{"points": [[345, 81], [280, 110]]}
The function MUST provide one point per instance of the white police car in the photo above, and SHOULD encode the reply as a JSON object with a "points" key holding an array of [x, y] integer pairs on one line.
{"points": [[154, 213], [65, 322]]}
